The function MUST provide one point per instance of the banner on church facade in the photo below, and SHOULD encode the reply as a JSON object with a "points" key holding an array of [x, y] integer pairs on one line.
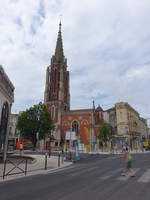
{"points": [[70, 135]]}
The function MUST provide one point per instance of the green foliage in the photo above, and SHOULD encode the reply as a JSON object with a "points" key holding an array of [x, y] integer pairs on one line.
{"points": [[105, 132], [33, 120]]}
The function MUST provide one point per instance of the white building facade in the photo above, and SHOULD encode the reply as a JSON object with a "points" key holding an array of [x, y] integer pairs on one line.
{"points": [[6, 100]]}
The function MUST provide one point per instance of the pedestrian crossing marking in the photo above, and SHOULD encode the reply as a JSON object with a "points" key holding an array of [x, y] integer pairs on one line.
{"points": [[83, 171], [110, 174], [145, 178], [106, 177], [125, 178]]}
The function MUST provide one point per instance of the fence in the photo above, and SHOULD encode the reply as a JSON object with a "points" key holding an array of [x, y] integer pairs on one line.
{"points": [[26, 164], [16, 166]]}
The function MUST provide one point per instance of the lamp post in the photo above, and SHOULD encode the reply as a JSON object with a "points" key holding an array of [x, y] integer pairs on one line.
{"points": [[38, 132], [92, 129], [37, 138], [90, 137], [49, 144]]}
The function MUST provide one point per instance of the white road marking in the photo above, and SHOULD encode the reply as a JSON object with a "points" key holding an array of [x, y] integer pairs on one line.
{"points": [[51, 171], [110, 174], [125, 178], [83, 171], [105, 177], [145, 178]]}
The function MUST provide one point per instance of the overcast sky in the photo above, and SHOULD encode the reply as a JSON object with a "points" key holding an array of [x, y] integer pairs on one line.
{"points": [[106, 42]]}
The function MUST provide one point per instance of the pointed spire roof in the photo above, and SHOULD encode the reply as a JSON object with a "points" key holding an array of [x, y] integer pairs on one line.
{"points": [[99, 108], [59, 54]]}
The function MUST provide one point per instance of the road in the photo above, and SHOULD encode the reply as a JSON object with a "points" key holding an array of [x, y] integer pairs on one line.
{"points": [[90, 179]]}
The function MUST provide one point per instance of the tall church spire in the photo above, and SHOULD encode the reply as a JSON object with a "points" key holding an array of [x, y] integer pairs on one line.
{"points": [[59, 54], [57, 90]]}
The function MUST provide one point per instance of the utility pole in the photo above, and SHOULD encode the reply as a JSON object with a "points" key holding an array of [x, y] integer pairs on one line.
{"points": [[91, 132], [92, 127]]}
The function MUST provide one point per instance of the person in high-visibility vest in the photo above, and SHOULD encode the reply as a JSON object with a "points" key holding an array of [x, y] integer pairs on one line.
{"points": [[128, 162]]}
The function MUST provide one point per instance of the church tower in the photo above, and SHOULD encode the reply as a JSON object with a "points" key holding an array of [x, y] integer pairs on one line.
{"points": [[57, 92]]}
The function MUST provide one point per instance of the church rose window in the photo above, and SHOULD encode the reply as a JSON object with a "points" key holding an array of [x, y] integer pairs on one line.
{"points": [[75, 127]]}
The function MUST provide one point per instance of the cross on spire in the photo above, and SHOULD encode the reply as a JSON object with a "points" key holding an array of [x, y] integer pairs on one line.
{"points": [[60, 22], [60, 26]]}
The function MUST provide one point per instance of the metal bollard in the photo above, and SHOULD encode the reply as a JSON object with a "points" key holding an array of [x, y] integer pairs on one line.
{"points": [[62, 158], [45, 161], [49, 153], [70, 155], [4, 168], [59, 159], [25, 171]]}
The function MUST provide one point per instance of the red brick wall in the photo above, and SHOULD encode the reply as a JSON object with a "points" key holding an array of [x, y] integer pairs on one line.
{"points": [[83, 122]]}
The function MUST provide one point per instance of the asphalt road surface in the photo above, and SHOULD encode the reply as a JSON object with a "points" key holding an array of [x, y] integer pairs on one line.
{"points": [[90, 179]]}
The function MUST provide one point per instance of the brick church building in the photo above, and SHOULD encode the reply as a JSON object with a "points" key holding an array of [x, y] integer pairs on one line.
{"points": [[84, 122]]}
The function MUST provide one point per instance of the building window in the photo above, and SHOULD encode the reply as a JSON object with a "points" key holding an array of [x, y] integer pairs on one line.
{"points": [[53, 112], [75, 127]]}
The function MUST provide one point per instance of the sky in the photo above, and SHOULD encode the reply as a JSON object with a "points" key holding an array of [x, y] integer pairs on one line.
{"points": [[106, 43]]}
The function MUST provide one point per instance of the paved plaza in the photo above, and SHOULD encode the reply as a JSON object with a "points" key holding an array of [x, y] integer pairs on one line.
{"points": [[37, 166]]}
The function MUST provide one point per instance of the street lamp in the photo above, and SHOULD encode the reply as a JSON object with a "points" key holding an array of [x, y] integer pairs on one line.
{"points": [[38, 132], [49, 145], [37, 138]]}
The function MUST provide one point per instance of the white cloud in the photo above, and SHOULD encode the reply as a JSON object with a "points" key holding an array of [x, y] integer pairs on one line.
{"points": [[107, 44]]}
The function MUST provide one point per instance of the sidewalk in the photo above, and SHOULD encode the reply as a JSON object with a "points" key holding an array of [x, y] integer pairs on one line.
{"points": [[36, 167], [119, 152]]}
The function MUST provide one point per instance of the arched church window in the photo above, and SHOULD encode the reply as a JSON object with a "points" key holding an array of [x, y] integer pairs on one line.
{"points": [[53, 112], [3, 124], [75, 127], [4, 115]]}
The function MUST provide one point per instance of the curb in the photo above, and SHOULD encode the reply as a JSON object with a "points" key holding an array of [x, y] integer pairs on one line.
{"points": [[37, 172]]}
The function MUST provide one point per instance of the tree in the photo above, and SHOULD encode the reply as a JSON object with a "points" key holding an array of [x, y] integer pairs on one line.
{"points": [[105, 132], [35, 120]]}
